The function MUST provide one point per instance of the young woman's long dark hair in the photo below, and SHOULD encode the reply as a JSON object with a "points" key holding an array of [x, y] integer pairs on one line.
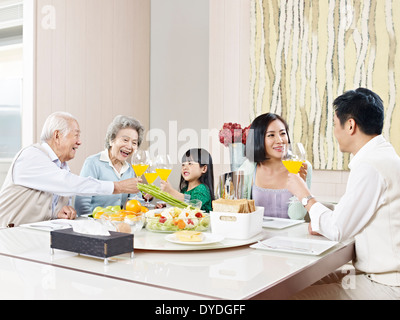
{"points": [[255, 145], [203, 158]]}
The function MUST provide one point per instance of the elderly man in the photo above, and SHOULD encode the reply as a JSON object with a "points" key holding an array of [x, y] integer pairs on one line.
{"points": [[369, 211], [39, 185]]}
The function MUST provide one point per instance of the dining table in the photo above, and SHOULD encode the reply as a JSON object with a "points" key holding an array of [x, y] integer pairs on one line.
{"points": [[256, 268]]}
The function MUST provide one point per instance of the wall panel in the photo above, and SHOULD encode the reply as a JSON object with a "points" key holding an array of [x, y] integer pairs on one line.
{"points": [[94, 63], [229, 71]]}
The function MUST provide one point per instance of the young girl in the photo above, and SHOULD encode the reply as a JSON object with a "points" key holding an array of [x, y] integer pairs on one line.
{"points": [[197, 179]]}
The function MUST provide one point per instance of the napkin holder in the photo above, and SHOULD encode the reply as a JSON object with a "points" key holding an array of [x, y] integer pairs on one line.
{"points": [[239, 226], [92, 245]]}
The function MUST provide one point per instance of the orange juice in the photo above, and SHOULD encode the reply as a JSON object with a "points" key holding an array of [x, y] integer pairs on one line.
{"points": [[151, 176], [140, 168], [292, 166], [164, 173]]}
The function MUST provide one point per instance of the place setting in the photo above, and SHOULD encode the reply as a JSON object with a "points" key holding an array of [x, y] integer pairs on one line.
{"points": [[312, 247]]}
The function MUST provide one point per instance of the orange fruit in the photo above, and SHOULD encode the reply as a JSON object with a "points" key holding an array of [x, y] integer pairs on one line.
{"points": [[116, 217], [181, 224], [134, 206], [98, 214], [144, 209], [123, 213]]}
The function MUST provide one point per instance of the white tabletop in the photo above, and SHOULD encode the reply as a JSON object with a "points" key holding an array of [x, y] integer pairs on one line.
{"points": [[229, 273], [25, 280]]}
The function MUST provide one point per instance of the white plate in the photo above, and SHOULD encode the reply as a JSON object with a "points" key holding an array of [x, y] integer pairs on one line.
{"points": [[209, 238], [48, 225], [295, 245], [279, 223]]}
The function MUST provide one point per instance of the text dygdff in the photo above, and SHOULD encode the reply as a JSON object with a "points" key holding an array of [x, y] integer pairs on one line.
{"points": [[219, 309]]}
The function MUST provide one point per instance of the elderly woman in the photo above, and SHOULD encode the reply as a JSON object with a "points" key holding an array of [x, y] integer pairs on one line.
{"points": [[124, 136]]}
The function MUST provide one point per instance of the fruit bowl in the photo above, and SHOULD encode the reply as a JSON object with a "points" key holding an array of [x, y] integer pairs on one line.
{"points": [[175, 219], [130, 223], [136, 222], [117, 219]]}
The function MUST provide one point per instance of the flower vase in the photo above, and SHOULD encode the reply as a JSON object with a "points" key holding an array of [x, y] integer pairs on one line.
{"points": [[236, 152]]}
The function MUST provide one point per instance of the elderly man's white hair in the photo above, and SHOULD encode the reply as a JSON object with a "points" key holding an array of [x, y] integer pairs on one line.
{"points": [[57, 121]]}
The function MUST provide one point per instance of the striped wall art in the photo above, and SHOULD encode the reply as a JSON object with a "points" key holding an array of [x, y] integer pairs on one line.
{"points": [[306, 53]]}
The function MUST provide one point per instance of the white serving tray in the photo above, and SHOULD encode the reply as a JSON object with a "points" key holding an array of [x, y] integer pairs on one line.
{"points": [[51, 225], [295, 245]]}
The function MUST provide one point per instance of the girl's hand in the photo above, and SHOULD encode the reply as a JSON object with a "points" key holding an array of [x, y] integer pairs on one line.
{"points": [[166, 186], [303, 171]]}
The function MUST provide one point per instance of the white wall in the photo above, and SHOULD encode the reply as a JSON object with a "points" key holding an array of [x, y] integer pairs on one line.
{"points": [[179, 73], [229, 70], [329, 185]]}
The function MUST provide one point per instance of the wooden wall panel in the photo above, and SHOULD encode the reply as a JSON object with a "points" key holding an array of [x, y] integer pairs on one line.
{"points": [[94, 64]]}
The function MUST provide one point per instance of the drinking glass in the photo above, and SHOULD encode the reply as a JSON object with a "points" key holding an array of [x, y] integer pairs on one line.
{"points": [[150, 175], [294, 157], [163, 166], [140, 162]]}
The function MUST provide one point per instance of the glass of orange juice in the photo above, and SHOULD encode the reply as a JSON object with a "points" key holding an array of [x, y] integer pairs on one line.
{"points": [[140, 162], [294, 157], [151, 174], [163, 166]]}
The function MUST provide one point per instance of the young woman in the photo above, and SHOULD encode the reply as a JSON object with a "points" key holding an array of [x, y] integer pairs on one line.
{"points": [[197, 179], [265, 174]]}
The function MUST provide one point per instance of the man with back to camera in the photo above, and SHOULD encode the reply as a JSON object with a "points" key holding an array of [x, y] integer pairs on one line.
{"points": [[369, 211], [39, 185]]}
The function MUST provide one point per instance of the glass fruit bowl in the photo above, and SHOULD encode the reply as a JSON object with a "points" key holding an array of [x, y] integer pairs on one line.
{"points": [[136, 222], [175, 219], [126, 222]]}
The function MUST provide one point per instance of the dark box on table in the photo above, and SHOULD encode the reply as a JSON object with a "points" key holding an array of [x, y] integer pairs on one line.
{"points": [[98, 246]]}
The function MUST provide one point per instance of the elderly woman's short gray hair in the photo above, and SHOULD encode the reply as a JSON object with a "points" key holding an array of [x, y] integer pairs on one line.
{"points": [[57, 121], [123, 122]]}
